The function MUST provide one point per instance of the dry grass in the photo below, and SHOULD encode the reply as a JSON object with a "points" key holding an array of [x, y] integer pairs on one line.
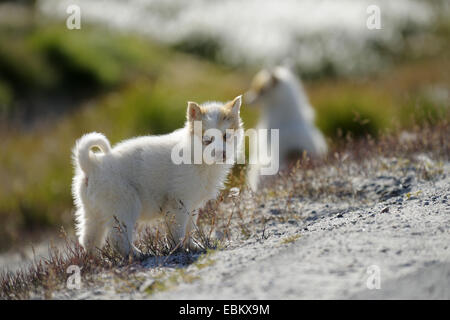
{"points": [[235, 214], [36, 163]]}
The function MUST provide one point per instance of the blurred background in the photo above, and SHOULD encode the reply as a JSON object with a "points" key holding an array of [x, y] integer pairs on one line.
{"points": [[133, 65]]}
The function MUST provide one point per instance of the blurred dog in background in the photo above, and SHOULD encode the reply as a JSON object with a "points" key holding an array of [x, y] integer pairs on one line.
{"points": [[285, 106]]}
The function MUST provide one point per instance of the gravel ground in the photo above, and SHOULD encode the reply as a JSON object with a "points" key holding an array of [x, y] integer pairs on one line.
{"points": [[408, 240], [397, 226], [14, 260]]}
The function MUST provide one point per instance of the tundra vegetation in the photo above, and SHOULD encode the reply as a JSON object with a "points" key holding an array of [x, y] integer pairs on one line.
{"points": [[56, 85]]}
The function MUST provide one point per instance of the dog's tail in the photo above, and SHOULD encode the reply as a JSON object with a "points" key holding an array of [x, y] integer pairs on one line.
{"points": [[82, 154]]}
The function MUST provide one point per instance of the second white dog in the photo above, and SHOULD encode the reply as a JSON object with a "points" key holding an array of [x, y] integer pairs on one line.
{"points": [[138, 177], [285, 106]]}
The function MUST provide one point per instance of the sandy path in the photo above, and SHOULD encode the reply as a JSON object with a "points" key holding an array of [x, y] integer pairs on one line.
{"points": [[401, 228], [409, 244], [20, 259]]}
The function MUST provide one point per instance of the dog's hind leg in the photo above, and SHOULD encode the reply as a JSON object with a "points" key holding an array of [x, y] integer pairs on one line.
{"points": [[90, 230], [122, 226]]}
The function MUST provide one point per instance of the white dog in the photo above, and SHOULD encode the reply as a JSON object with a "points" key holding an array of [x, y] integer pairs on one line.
{"points": [[139, 177], [285, 106]]}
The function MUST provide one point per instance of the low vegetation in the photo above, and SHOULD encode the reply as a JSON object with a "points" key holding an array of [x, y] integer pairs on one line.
{"points": [[56, 85], [235, 215], [125, 86]]}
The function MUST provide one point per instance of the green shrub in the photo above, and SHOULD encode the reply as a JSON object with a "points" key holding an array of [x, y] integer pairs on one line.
{"points": [[21, 68], [50, 57], [80, 58], [354, 112], [6, 97], [201, 45], [421, 110]]}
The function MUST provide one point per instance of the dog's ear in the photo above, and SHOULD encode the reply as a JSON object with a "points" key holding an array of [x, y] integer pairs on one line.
{"points": [[194, 112], [235, 105], [274, 79]]}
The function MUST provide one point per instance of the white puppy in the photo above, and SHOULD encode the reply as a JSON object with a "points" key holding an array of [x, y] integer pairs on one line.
{"points": [[285, 106], [139, 177]]}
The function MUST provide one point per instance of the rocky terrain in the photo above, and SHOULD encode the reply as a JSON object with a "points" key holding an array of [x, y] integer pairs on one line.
{"points": [[370, 221], [393, 224]]}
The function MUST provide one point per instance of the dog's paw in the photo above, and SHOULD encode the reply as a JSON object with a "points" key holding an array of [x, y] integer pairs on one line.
{"points": [[192, 247], [136, 254]]}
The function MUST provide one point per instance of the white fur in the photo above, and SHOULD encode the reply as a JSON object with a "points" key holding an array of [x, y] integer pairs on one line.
{"points": [[137, 178], [285, 106]]}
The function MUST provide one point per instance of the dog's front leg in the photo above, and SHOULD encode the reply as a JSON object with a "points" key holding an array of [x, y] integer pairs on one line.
{"points": [[191, 226], [180, 224]]}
